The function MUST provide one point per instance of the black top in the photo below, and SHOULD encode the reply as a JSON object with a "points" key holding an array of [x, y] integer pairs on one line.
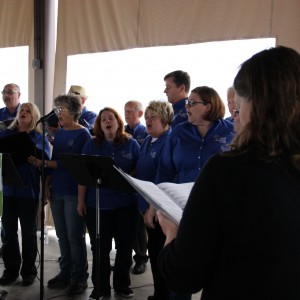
{"points": [[239, 237]]}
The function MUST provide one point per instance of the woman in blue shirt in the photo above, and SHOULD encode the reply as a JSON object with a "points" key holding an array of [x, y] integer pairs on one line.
{"points": [[21, 203], [158, 116], [193, 142], [69, 226], [118, 210]]}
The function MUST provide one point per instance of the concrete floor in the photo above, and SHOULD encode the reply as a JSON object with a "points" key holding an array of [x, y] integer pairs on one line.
{"points": [[142, 285]]}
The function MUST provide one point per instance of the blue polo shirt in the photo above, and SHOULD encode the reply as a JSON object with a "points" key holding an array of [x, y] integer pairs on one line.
{"points": [[139, 133], [6, 115], [180, 114], [87, 116], [125, 156], [148, 162], [186, 152], [66, 141]]}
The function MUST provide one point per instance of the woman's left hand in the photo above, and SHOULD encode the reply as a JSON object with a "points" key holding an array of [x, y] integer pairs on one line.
{"points": [[34, 161], [168, 227]]}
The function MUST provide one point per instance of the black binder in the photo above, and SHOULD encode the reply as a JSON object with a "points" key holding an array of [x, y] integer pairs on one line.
{"points": [[87, 169], [20, 147]]}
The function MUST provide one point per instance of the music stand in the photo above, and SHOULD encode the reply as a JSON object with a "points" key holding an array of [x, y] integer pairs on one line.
{"points": [[98, 171], [9, 172], [20, 147]]}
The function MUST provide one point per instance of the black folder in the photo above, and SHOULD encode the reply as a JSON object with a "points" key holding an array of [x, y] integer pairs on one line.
{"points": [[87, 169], [20, 147]]}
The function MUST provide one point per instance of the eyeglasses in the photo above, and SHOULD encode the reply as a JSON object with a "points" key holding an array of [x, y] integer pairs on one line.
{"points": [[8, 92], [191, 103], [236, 112], [60, 109]]}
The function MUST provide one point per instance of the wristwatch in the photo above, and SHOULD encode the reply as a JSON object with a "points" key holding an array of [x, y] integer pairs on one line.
{"points": [[45, 163]]}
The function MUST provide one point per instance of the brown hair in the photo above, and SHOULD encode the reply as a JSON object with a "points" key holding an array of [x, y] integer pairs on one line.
{"points": [[209, 96], [121, 136], [270, 80]]}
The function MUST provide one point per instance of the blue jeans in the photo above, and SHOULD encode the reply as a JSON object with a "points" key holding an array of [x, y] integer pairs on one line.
{"points": [[70, 230]]}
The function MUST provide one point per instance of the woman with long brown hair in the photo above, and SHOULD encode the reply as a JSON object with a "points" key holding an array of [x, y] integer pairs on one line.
{"points": [[242, 217], [118, 210]]}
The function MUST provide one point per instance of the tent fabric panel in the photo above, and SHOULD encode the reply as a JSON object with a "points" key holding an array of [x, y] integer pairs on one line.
{"points": [[16, 23], [94, 26], [286, 23], [183, 22]]}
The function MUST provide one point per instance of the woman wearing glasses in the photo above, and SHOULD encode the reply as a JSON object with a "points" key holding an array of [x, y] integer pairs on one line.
{"points": [[69, 226], [193, 142]]}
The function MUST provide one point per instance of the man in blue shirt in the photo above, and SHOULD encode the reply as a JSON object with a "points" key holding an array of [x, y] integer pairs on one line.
{"points": [[177, 88], [87, 118], [11, 98], [230, 103], [133, 111]]}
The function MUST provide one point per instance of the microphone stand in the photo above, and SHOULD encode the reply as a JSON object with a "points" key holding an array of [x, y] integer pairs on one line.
{"points": [[42, 213], [97, 288]]}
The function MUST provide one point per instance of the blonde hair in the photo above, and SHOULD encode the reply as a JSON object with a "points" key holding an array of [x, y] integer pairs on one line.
{"points": [[162, 109], [35, 113]]}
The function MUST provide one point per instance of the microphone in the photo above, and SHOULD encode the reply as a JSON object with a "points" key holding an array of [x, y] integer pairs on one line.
{"points": [[54, 111]]}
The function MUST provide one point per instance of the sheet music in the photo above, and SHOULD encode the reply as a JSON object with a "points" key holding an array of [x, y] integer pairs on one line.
{"points": [[178, 192], [159, 198]]}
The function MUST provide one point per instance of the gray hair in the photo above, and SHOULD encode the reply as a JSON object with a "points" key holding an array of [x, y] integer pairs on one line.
{"points": [[72, 102], [138, 104]]}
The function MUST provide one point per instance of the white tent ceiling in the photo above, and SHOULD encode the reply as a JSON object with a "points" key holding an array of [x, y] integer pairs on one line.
{"points": [[86, 26]]}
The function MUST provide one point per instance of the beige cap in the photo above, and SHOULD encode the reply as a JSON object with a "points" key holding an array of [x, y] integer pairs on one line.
{"points": [[78, 90]]}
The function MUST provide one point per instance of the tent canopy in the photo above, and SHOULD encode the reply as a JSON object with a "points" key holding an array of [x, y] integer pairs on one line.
{"points": [[108, 25]]}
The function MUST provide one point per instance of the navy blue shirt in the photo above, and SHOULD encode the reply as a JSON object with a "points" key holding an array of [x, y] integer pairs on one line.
{"points": [[230, 119], [6, 115], [139, 133], [186, 151], [66, 141], [148, 162], [126, 156], [87, 118], [180, 114]]}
